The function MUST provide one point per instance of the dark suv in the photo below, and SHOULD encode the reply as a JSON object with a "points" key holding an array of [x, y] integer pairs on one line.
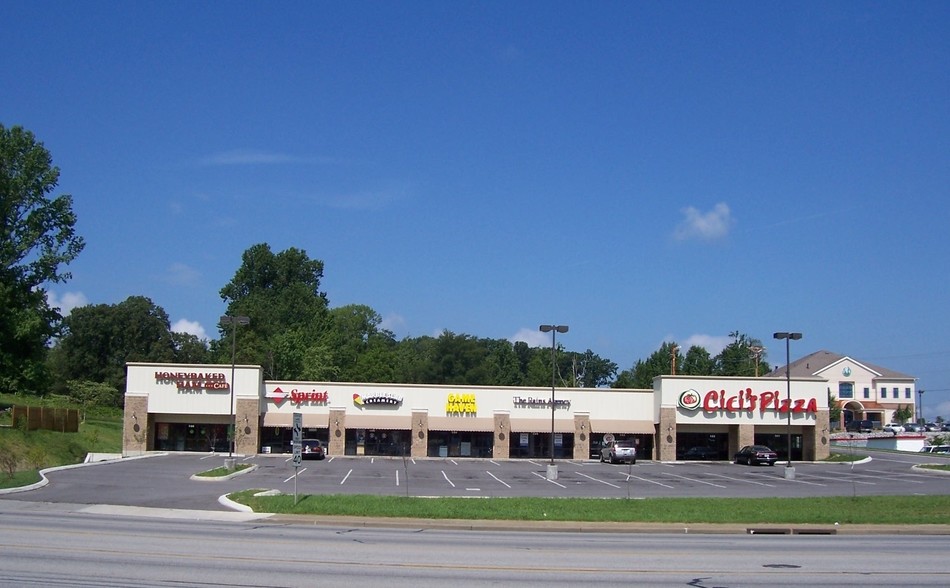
{"points": [[859, 426]]}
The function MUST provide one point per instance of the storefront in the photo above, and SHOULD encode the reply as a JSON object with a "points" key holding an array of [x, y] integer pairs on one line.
{"points": [[195, 408]]}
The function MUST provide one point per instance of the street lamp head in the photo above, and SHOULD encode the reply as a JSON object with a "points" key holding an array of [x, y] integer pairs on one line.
{"points": [[238, 320], [549, 328], [786, 335]]}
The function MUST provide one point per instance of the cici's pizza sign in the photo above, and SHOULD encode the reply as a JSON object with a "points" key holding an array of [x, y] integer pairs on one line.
{"points": [[745, 401]]}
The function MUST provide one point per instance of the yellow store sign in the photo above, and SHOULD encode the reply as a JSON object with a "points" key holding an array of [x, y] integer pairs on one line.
{"points": [[459, 404]]}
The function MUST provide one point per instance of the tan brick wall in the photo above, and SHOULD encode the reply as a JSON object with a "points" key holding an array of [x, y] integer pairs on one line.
{"points": [[500, 449], [136, 432], [337, 444], [581, 436], [666, 432], [816, 444], [247, 428], [420, 434]]}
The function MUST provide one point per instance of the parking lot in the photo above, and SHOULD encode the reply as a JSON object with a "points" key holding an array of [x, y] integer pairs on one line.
{"points": [[165, 480]]}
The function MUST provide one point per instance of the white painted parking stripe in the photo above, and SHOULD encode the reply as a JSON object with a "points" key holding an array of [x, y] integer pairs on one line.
{"points": [[498, 479], [343, 481], [397, 477], [649, 480], [296, 474], [546, 480], [695, 480], [743, 480], [444, 475], [596, 480]]}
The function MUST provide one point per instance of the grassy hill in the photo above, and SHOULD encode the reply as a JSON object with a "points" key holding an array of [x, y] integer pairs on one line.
{"points": [[24, 453]]}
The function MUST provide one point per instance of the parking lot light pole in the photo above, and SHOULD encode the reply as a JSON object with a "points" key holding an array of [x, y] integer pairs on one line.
{"points": [[789, 470], [234, 321], [554, 330]]}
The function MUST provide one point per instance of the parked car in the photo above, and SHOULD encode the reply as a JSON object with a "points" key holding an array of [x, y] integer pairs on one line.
{"points": [[619, 451], [312, 449], [913, 428], [935, 449], [864, 426], [893, 428], [703, 453], [756, 454], [933, 427]]}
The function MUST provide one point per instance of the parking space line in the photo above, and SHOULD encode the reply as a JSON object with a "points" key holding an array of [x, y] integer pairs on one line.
{"points": [[696, 480], [742, 480], [397, 478], [546, 480], [903, 479], [649, 480], [593, 479], [296, 474], [343, 481], [444, 475], [498, 479]]}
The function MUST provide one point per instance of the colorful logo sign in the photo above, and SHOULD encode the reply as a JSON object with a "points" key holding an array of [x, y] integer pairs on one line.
{"points": [[298, 397], [192, 382], [745, 401], [461, 404], [690, 400], [377, 399]]}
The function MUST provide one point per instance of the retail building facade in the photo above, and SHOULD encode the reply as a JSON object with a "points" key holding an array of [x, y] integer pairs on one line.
{"points": [[193, 408]]}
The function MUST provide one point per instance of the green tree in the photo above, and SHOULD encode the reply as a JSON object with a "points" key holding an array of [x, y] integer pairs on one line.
{"points": [[697, 362], [590, 370], [742, 357], [98, 340], [281, 295], [903, 414], [641, 375], [37, 238]]}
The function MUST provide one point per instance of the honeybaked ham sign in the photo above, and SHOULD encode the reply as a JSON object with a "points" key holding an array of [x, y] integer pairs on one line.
{"points": [[194, 382], [717, 401]]}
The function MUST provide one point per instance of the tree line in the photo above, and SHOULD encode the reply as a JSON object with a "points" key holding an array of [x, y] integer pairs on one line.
{"points": [[293, 332]]}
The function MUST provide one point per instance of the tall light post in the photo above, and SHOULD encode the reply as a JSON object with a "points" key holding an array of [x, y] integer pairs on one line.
{"points": [[234, 321], [920, 407], [789, 471], [554, 330]]}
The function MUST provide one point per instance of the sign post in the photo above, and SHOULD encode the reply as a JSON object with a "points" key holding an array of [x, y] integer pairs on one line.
{"points": [[297, 444]]}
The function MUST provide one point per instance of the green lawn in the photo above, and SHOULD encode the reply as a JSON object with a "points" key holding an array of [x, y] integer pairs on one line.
{"points": [[904, 510]]}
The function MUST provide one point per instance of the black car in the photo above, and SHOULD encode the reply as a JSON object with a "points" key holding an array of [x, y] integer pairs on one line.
{"points": [[312, 449], [756, 454], [702, 453], [863, 426]]}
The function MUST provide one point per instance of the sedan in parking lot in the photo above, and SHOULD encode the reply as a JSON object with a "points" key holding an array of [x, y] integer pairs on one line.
{"points": [[312, 449], [756, 454]]}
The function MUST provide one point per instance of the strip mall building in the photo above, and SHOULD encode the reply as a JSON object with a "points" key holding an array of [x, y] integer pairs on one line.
{"points": [[191, 408]]}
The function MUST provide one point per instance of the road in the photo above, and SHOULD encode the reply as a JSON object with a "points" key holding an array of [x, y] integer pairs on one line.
{"points": [[72, 546]]}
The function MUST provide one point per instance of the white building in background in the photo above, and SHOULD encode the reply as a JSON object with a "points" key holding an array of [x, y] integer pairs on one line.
{"points": [[864, 391]]}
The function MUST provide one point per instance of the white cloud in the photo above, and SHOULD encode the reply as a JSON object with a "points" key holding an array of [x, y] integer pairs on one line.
{"points": [[707, 226], [67, 302], [254, 157], [392, 322], [182, 274], [190, 327], [714, 344], [533, 337]]}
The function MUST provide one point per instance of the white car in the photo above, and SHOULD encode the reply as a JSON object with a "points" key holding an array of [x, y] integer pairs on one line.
{"points": [[893, 428]]}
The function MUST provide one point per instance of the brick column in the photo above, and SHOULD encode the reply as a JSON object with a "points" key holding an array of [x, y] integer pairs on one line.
{"points": [[247, 426], [739, 437], [816, 445], [666, 433], [337, 427], [420, 433], [581, 435], [136, 432], [500, 449]]}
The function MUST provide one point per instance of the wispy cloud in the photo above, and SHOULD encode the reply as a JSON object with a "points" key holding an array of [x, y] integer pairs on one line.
{"points": [[182, 274], [707, 226], [714, 344], [533, 337], [67, 302], [255, 157], [393, 322]]}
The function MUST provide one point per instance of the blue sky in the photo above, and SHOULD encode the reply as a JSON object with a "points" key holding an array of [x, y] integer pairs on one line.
{"points": [[639, 171]]}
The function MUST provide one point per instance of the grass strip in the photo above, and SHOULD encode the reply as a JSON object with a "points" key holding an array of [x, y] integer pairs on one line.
{"points": [[905, 510]]}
